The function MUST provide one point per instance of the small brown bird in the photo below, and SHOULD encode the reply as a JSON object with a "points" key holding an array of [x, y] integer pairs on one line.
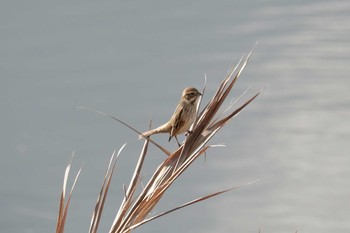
{"points": [[183, 117]]}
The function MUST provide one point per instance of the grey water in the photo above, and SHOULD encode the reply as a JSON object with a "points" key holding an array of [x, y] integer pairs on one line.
{"points": [[132, 59]]}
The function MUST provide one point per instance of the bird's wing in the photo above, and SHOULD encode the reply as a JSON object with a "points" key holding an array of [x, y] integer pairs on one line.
{"points": [[177, 121]]}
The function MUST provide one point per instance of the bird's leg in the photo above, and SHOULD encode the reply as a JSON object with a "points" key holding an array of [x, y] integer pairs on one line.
{"points": [[178, 143]]}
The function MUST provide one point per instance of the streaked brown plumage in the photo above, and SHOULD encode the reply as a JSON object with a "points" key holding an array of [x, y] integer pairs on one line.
{"points": [[183, 117]]}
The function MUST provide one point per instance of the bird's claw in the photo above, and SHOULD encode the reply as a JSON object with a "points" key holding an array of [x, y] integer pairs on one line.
{"points": [[188, 132]]}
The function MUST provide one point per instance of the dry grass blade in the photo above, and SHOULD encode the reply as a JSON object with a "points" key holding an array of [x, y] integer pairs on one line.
{"points": [[128, 198], [63, 209], [96, 216], [127, 125], [190, 203]]}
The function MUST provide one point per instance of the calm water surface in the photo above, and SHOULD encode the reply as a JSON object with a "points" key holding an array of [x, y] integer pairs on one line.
{"points": [[132, 59]]}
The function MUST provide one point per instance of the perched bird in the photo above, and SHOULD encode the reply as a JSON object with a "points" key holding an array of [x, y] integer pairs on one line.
{"points": [[183, 117]]}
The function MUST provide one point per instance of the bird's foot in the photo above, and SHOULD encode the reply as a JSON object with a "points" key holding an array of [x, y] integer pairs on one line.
{"points": [[188, 132]]}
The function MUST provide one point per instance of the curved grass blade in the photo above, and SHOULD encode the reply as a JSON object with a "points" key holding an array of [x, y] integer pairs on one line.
{"points": [[96, 216], [190, 203], [127, 125], [63, 210]]}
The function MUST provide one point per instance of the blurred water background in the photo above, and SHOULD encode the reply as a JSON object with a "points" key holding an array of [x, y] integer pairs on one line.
{"points": [[132, 59]]}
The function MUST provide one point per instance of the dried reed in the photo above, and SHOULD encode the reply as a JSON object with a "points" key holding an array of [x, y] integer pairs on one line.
{"points": [[136, 207]]}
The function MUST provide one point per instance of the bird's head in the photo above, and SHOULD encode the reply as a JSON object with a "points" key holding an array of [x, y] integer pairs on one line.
{"points": [[191, 94]]}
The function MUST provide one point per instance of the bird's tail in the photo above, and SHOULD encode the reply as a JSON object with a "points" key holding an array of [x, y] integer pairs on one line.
{"points": [[161, 129], [147, 133]]}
